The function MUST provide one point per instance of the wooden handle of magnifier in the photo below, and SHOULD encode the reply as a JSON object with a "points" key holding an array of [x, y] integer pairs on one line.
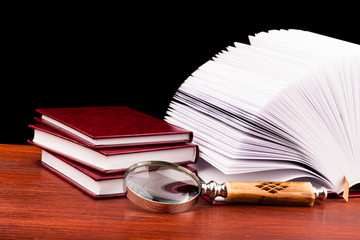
{"points": [[283, 193]]}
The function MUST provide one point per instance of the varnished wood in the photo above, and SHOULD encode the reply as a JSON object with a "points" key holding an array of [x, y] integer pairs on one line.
{"points": [[36, 204], [289, 193]]}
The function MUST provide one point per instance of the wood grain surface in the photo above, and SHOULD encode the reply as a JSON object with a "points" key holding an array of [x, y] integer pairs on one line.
{"points": [[280, 193], [35, 204]]}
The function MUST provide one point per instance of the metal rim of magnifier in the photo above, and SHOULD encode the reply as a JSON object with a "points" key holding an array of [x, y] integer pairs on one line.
{"points": [[158, 206]]}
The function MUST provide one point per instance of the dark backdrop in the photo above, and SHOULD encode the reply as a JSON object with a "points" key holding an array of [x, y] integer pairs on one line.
{"points": [[63, 56]]}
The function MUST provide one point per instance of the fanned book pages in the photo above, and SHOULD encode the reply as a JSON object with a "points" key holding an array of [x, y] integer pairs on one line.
{"points": [[285, 107]]}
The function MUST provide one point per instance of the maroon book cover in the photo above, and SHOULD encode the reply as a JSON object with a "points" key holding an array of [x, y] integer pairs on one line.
{"points": [[51, 140], [67, 174], [95, 175], [76, 184], [82, 169], [110, 126]]}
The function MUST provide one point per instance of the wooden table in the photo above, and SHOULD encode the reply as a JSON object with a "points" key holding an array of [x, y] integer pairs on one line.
{"points": [[36, 204]]}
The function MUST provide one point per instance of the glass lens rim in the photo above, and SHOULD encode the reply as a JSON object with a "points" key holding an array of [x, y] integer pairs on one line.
{"points": [[163, 207]]}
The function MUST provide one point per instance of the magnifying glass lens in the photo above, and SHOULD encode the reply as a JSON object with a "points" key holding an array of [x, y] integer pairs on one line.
{"points": [[161, 184]]}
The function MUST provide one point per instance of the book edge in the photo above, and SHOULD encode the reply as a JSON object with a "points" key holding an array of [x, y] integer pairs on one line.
{"points": [[75, 184]]}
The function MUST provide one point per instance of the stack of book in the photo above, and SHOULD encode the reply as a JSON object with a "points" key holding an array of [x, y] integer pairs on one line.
{"points": [[91, 147]]}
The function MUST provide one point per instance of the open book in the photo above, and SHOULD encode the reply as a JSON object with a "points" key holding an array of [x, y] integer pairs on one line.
{"points": [[285, 107]]}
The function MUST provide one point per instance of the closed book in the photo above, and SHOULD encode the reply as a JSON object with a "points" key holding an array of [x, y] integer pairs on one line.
{"points": [[112, 126], [93, 183], [110, 160]]}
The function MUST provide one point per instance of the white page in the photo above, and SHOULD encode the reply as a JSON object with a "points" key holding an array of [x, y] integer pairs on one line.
{"points": [[240, 146], [233, 122], [208, 173]]}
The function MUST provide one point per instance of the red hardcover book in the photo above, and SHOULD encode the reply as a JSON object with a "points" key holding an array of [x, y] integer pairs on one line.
{"points": [[94, 183], [112, 126], [110, 160]]}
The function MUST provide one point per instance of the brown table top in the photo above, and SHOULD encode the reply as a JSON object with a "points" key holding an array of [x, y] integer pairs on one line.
{"points": [[34, 203]]}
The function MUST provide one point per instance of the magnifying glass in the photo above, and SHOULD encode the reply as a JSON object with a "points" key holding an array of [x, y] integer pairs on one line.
{"points": [[166, 187]]}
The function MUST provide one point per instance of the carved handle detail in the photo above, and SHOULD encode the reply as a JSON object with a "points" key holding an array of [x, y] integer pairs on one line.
{"points": [[272, 187]]}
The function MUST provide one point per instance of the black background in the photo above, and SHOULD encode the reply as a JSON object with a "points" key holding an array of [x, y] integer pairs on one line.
{"points": [[92, 55]]}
